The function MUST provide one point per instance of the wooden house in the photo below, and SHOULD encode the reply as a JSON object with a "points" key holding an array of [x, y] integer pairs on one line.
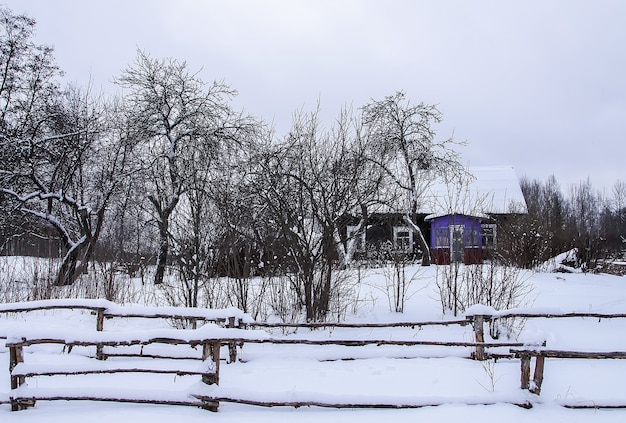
{"points": [[459, 221]]}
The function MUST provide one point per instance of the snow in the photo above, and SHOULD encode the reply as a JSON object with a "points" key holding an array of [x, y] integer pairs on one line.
{"points": [[111, 308], [416, 375], [213, 314], [67, 303], [480, 310]]}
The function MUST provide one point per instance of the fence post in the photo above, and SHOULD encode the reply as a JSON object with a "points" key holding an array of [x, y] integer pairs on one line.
{"points": [[211, 350], [538, 376], [479, 335], [232, 346], [100, 327], [16, 356], [525, 370]]}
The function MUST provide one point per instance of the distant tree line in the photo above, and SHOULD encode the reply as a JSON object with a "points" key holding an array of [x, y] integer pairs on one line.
{"points": [[593, 222]]}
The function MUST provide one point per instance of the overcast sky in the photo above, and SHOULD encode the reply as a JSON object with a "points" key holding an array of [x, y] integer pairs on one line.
{"points": [[537, 84]]}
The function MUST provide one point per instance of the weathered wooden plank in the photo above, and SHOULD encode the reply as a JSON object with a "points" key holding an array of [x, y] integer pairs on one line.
{"points": [[595, 405], [111, 343], [16, 356], [108, 371], [232, 346], [463, 322], [211, 351], [479, 336], [298, 404], [100, 328], [156, 356], [284, 341], [538, 375], [25, 399], [571, 354], [525, 371], [362, 342], [174, 316], [49, 307], [506, 315]]}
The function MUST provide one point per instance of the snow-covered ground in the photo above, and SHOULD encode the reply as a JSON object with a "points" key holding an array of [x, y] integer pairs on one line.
{"points": [[379, 375]]}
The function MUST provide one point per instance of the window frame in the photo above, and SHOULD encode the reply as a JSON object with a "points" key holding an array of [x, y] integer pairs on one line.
{"points": [[409, 238]]}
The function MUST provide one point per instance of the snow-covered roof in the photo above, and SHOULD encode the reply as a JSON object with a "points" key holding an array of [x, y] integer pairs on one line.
{"points": [[490, 190]]}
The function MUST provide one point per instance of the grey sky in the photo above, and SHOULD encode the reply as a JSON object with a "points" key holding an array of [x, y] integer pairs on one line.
{"points": [[537, 84]]}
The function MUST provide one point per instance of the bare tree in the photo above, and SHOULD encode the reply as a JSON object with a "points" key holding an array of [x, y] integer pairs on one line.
{"points": [[584, 223], [70, 169], [529, 239], [62, 160], [28, 84], [619, 207], [312, 181], [179, 119], [404, 145]]}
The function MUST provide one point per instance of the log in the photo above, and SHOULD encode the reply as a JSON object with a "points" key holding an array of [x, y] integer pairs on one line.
{"points": [[156, 356], [50, 307], [298, 404], [538, 376], [124, 343], [211, 351], [479, 335], [378, 342], [106, 399], [525, 371], [111, 371], [100, 328], [284, 341], [232, 346], [570, 354], [506, 315], [594, 406], [16, 356], [164, 316], [463, 322]]}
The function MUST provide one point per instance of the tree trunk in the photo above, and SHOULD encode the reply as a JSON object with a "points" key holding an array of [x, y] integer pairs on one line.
{"points": [[308, 297], [421, 241], [163, 251], [67, 274]]}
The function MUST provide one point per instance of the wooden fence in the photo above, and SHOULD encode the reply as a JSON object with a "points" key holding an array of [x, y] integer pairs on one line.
{"points": [[19, 371], [236, 330], [541, 354]]}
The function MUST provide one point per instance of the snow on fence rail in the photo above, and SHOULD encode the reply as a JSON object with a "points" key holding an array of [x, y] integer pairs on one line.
{"points": [[111, 310]]}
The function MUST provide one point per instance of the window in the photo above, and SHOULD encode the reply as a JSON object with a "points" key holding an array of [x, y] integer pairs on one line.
{"points": [[489, 236], [359, 239], [442, 238], [471, 237], [402, 238]]}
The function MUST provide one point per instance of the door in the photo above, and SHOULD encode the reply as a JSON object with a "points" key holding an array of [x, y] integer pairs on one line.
{"points": [[457, 246]]}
